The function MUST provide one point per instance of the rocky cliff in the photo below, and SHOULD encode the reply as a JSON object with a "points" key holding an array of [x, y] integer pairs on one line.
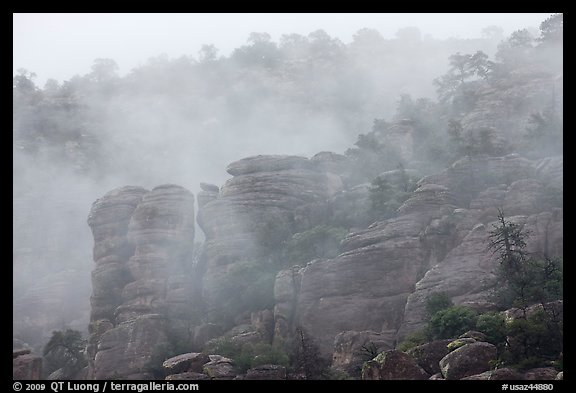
{"points": [[145, 289], [142, 241], [259, 279], [437, 243]]}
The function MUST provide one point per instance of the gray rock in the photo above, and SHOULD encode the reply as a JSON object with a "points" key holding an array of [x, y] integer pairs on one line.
{"points": [[141, 239], [220, 367], [19, 352], [366, 287], [266, 372], [128, 348], [478, 336], [429, 355], [471, 359], [268, 163], [190, 375], [460, 342], [352, 349], [209, 187], [186, 362], [393, 365]]}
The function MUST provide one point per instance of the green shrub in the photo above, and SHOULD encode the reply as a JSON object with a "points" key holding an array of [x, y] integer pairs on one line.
{"points": [[413, 340], [248, 355], [268, 354], [452, 322], [387, 196], [537, 336], [493, 325], [64, 350], [437, 302]]}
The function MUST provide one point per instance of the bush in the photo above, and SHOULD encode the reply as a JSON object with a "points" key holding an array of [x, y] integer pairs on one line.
{"points": [[493, 325], [246, 356], [413, 340], [452, 322], [437, 302], [64, 350], [538, 336], [387, 196]]}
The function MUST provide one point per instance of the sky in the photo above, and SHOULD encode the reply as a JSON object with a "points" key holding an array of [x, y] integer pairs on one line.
{"points": [[59, 46]]}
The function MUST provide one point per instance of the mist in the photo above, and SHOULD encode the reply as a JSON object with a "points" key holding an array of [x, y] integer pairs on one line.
{"points": [[181, 119]]}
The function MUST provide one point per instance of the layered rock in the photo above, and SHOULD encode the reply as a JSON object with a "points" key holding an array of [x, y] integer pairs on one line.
{"points": [[466, 274], [366, 287], [437, 243], [255, 211], [505, 105], [142, 239]]}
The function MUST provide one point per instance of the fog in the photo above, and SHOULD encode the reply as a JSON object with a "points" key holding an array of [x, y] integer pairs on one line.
{"points": [[59, 46], [128, 106]]}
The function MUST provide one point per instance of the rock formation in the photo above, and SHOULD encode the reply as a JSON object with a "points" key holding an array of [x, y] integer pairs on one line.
{"points": [[254, 210], [143, 242], [373, 292]]}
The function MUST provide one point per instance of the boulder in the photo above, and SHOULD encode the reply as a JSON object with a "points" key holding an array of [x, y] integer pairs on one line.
{"points": [[352, 349], [393, 365], [186, 362], [429, 355], [209, 187], [478, 336], [267, 372], [186, 376], [220, 367], [470, 359], [460, 342]]}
